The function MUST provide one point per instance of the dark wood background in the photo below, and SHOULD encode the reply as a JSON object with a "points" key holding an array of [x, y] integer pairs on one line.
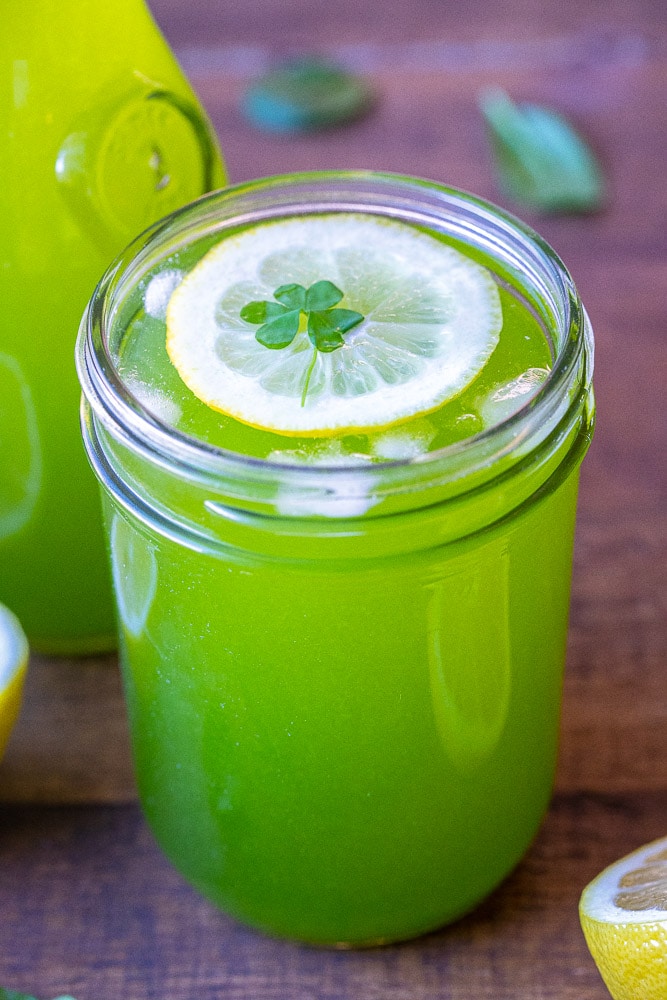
{"points": [[88, 905]]}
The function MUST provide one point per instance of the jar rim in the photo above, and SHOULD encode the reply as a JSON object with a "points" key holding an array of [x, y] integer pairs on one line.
{"points": [[416, 200]]}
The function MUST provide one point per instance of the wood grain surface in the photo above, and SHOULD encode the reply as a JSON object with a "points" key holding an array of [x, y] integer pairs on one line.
{"points": [[93, 908], [87, 903]]}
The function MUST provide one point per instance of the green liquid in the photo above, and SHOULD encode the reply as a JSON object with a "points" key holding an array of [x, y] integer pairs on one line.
{"points": [[348, 739], [100, 135], [340, 752]]}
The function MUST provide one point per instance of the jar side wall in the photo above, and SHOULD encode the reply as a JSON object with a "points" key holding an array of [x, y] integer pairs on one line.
{"points": [[204, 517], [302, 735]]}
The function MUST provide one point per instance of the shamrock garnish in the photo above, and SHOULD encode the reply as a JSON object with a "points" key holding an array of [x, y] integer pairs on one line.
{"points": [[281, 319]]}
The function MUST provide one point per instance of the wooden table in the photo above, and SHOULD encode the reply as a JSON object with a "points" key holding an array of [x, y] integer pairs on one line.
{"points": [[88, 905]]}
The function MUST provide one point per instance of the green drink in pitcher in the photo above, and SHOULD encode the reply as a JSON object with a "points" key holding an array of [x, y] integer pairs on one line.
{"points": [[338, 419], [100, 135]]}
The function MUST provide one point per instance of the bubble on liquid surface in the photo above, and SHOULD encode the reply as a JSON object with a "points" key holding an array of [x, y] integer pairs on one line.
{"points": [[159, 291], [470, 422]]}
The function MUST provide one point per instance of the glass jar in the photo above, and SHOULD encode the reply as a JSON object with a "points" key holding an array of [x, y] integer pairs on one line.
{"points": [[343, 682]]}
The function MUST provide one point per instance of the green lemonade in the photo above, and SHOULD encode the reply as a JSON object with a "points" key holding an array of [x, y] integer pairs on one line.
{"points": [[344, 701], [100, 135]]}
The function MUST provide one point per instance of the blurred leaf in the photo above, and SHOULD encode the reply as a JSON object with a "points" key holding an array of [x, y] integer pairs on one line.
{"points": [[13, 995], [304, 95], [541, 160]]}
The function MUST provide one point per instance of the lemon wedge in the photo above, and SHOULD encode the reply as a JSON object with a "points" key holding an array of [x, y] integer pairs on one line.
{"points": [[13, 663], [431, 320], [624, 919]]}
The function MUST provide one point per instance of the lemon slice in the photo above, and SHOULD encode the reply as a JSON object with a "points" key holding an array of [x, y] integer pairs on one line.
{"points": [[624, 918], [13, 663], [432, 318]]}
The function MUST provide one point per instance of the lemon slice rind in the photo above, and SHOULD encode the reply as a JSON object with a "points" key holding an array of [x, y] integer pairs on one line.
{"points": [[13, 647], [629, 942], [597, 900]]}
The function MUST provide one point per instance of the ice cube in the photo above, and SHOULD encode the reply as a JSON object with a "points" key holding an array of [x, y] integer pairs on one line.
{"points": [[347, 495], [159, 291], [156, 402], [401, 443], [512, 395]]}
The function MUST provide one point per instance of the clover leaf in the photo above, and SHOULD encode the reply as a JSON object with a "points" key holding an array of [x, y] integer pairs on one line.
{"points": [[280, 320]]}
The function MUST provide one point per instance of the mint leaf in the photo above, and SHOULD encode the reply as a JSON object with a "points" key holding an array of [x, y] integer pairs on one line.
{"points": [[279, 332], [305, 94], [322, 295], [540, 159]]}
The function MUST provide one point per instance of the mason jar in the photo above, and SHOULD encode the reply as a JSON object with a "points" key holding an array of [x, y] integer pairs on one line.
{"points": [[343, 680]]}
